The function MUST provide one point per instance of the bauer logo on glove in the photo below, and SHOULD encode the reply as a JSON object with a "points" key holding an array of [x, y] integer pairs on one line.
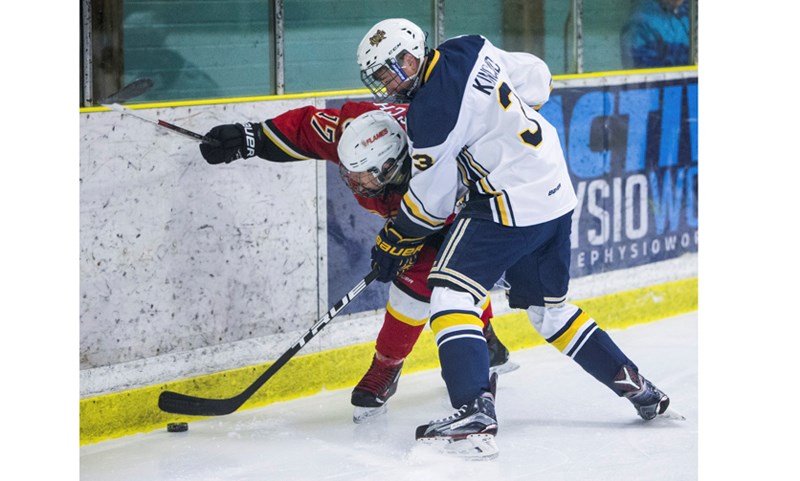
{"points": [[393, 253], [395, 250], [236, 141]]}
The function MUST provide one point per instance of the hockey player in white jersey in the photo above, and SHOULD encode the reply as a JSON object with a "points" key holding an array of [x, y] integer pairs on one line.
{"points": [[479, 145]]}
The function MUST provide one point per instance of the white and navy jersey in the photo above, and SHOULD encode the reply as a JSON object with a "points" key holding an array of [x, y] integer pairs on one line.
{"points": [[477, 140]]}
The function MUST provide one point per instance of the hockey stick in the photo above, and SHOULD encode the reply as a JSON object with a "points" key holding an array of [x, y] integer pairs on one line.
{"points": [[171, 127], [177, 403], [136, 88], [132, 90]]}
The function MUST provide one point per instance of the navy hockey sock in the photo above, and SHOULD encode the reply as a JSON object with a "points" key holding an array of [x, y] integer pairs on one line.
{"points": [[600, 357], [465, 366], [582, 339]]}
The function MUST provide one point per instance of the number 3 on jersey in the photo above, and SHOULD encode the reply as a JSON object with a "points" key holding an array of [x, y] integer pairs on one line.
{"points": [[532, 137], [422, 161]]}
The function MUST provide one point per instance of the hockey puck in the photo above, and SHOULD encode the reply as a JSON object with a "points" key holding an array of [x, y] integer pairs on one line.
{"points": [[177, 427]]}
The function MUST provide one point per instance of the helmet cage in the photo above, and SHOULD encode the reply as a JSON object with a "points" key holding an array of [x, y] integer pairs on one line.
{"points": [[379, 76]]}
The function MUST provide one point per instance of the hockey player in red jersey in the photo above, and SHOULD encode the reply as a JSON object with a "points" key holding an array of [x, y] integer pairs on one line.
{"points": [[377, 173]]}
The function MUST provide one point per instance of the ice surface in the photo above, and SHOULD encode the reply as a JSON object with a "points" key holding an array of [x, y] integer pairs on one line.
{"points": [[555, 423]]}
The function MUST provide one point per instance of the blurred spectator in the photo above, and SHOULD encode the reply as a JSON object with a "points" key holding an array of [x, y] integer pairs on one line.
{"points": [[657, 34]]}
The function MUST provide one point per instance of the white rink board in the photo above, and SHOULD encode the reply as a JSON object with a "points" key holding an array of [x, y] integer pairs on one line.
{"points": [[178, 255]]}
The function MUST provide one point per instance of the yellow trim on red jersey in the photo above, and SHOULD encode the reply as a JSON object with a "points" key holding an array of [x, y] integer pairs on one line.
{"points": [[282, 145]]}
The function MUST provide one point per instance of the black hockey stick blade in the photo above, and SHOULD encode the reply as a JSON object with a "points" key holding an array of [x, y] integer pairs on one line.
{"points": [[128, 92], [177, 403]]}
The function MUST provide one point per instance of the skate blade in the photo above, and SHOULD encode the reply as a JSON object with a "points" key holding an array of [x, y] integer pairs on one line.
{"points": [[504, 368], [475, 447], [362, 414], [671, 415]]}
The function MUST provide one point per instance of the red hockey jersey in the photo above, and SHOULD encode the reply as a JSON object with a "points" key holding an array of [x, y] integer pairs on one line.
{"points": [[310, 133]]}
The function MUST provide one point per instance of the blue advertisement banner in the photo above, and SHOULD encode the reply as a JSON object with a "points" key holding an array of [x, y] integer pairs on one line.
{"points": [[632, 155]]}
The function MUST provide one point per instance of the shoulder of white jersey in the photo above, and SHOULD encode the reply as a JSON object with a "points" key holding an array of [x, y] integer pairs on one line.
{"points": [[434, 111]]}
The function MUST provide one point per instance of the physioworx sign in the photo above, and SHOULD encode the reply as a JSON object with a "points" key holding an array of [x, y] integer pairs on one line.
{"points": [[632, 155]]}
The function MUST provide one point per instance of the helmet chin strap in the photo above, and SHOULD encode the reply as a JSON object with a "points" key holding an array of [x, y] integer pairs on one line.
{"points": [[402, 177], [411, 91]]}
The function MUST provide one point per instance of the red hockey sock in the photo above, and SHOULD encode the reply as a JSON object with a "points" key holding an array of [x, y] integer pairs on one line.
{"points": [[397, 338], [487, 314]]}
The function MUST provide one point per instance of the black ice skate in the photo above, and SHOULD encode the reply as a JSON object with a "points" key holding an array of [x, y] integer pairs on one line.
{"points": [[648, 400], [375, 388], [469, 433], [498, 353]]}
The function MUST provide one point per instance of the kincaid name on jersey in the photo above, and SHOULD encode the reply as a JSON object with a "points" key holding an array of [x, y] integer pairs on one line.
{"points": [[486, 78]]}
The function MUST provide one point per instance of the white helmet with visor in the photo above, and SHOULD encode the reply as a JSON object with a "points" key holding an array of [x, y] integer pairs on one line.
{"points": [[381, 55]]}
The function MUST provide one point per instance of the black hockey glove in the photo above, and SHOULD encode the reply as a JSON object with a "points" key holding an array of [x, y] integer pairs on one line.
{"points": [[393, 253], [238, 141]]}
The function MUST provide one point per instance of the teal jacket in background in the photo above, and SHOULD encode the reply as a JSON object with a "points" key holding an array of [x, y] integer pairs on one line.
{"points": [[656, 36]]}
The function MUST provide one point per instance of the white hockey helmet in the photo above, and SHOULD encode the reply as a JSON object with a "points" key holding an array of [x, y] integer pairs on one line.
{"points": [[380, 56], [372, 151]]}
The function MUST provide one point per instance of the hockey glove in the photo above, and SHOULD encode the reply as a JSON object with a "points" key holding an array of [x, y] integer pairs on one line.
{"points": [[393, 253], [237, 142]]}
